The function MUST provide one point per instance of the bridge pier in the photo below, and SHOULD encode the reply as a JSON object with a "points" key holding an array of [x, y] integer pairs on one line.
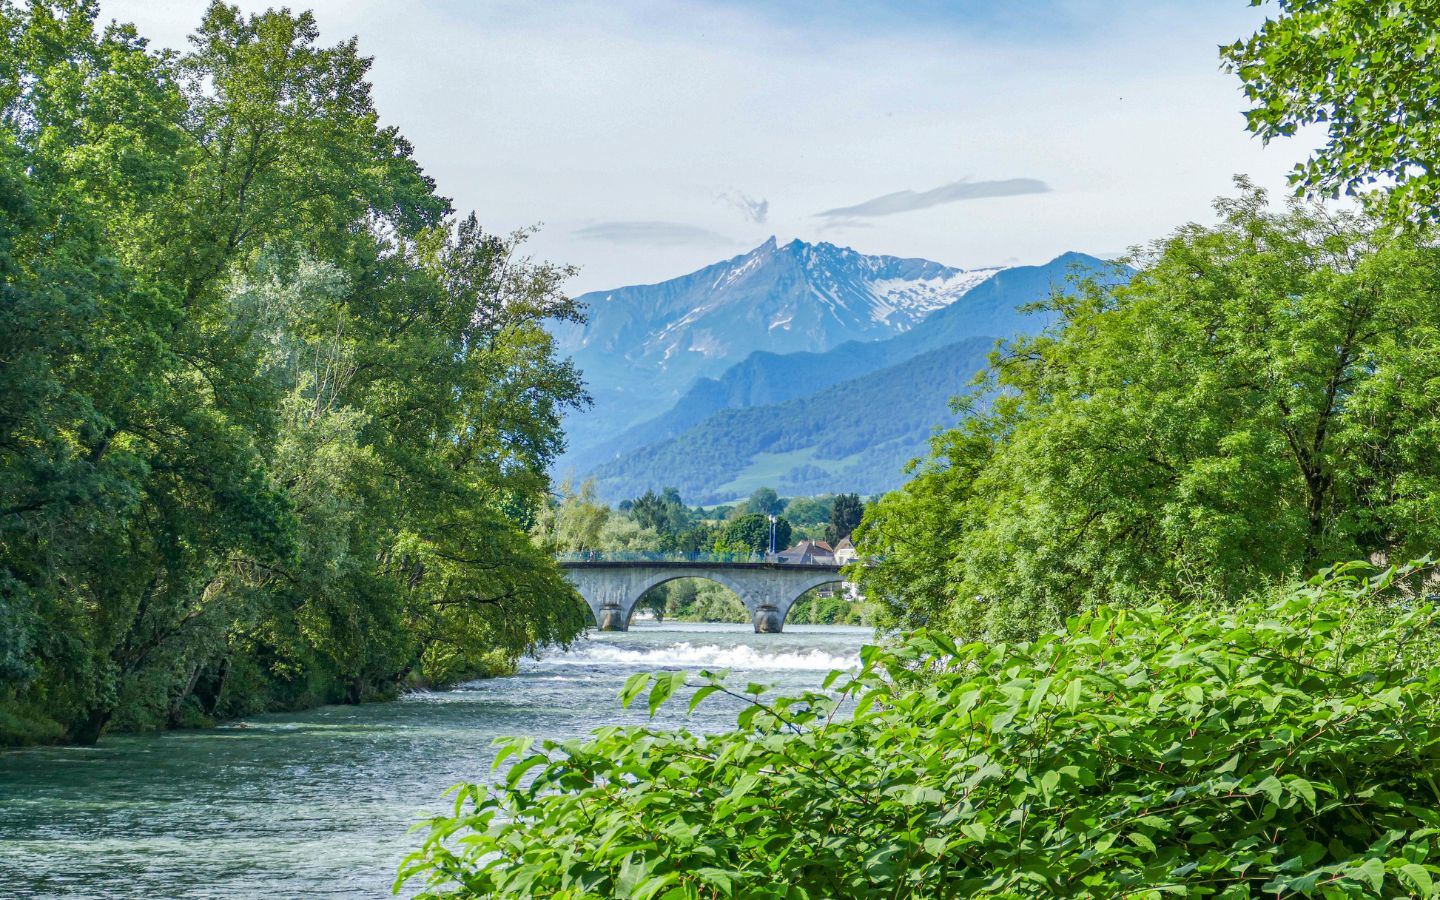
{"points": [[768, 620], [612, 618]]}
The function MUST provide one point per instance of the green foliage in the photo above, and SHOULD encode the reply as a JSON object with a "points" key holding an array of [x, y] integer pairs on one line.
{"points": [[1282, 748], [624, 534], [1256, 402], [699, 538], [273, 424], [764, 501], [827, 605], [845, 514], [574, 521], [664, 513], [697, 600], [750, 533], [1364, 72], [809, 510]]}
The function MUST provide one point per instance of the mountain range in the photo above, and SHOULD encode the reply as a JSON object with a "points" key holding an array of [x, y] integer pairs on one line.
{"points": [[645, 345], [806, 367]]}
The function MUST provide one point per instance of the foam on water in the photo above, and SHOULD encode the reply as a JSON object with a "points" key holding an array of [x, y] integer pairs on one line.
{"points": [[684, 654]]}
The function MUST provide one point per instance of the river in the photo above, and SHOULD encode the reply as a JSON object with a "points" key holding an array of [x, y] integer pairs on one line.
{"points": [[318, 804]]}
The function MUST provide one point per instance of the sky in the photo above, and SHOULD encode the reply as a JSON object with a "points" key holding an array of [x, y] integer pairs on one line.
{"points": [[648, 138]]}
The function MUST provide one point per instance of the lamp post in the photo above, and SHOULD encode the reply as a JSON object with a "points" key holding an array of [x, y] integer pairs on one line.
{"points": [[771, 517]]}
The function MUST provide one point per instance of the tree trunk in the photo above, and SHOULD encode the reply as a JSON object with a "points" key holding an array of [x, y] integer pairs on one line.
{"points": [[172, 715], [356, 691], [87, 731], [219, 694]]}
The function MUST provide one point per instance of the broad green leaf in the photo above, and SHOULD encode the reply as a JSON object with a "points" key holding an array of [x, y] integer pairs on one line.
{"points": [[701, 693], [632, 688], [666, 683]]}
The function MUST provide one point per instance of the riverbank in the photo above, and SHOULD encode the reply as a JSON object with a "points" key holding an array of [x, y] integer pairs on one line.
{"points": [[23, 727]]}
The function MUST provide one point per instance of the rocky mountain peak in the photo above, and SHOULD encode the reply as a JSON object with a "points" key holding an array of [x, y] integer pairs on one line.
{"points": [[646, 344]]}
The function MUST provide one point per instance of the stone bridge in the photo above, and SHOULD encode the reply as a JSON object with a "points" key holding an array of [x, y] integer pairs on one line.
{"points": [[768, 589]]}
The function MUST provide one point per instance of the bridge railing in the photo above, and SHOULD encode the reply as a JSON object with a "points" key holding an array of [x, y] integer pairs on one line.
{"points": [[644, 556], [648, 556]]}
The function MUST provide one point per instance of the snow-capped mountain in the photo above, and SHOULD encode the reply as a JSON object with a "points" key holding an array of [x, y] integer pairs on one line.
{"points": [[645, 345]]}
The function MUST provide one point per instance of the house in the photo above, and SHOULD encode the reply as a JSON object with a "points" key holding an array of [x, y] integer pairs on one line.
{"points": [[845, 551], [810, 553]]}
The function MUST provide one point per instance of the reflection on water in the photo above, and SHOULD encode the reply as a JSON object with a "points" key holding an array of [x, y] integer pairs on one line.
{"points": [[317, 804]]}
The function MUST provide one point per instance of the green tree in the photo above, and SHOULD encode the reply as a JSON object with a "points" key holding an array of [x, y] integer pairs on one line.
{"points": [[141, 477], [1365, 72], [272, 424], [845, 513], [765, 502], [573, 521], [696, 600], [664, 513], [809, 510], [1252, 404], [697, 539], [624, 534]]}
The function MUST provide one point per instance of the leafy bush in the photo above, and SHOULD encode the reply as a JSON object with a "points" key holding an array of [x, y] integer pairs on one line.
{"points": [[832, 609], [1257, 401], [699, 600], [1285, 747], [23, 726]]}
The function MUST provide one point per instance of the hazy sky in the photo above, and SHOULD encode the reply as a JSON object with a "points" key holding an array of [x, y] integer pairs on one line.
{"points": [[648, 138]]}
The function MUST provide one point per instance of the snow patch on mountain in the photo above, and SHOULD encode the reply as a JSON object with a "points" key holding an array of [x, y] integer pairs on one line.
{"points": [[908, 301]]}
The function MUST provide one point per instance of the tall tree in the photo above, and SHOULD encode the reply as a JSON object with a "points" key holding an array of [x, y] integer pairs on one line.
{"points": [[664, 513], [764, 501], [1254, 403], [572, 522], [751, 534], [845, 513], [266, 407], [810, 510]]}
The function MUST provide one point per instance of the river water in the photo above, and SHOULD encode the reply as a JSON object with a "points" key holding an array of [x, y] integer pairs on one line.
{"points": [[319, 804]]}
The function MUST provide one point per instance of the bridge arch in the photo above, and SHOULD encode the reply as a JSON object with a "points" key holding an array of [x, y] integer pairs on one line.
{"points": [[736, 586], [768, 590], [818, 580]]}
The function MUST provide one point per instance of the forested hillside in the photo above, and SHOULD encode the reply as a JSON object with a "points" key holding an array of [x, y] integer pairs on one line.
{"points": [[859, 432], [273, 421]]}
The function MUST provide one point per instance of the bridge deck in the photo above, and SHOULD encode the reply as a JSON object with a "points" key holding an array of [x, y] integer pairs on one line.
{"points": [[693, 564]]}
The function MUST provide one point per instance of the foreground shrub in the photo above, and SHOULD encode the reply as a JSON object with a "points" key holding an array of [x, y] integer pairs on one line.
{"points": [[1287, 747]]}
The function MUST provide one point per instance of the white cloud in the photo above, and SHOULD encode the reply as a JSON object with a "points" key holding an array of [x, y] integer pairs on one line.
{"points": [[909, 201], [755, 211], [654, 234], [642, 111]]}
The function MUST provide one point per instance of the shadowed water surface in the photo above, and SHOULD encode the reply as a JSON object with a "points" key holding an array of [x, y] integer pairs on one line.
{"points": [[318, 804]]}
